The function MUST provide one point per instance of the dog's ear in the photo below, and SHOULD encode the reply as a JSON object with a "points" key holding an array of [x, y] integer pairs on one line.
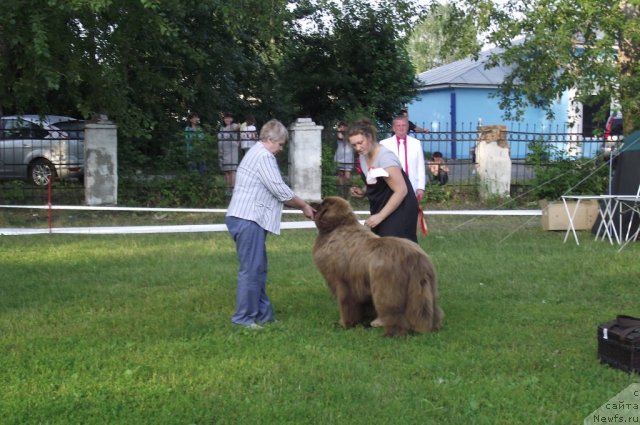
{"points": [[334, 212], [315, 205], [323, 223]]}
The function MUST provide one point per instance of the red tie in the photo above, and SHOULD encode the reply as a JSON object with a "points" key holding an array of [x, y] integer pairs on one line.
{"points": [[406, 163]]}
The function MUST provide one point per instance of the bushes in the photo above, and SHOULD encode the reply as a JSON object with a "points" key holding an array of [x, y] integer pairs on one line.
{"points": [[189, 190], [557, 173], [163, 180], [329, 185]]}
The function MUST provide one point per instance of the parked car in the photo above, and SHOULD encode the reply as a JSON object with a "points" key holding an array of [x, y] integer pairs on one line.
{"points": [[37, 148]]}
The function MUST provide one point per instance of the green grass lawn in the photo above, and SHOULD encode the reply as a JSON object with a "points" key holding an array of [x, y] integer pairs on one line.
{"points": [[136, 330]]}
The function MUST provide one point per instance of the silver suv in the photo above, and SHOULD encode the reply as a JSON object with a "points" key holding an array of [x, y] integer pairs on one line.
{"points": [[38, 148]]}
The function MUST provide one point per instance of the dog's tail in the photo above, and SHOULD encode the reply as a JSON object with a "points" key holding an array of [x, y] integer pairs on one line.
{"points": [[423, 312]]}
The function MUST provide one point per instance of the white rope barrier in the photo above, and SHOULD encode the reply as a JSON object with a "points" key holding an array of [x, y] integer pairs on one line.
{"points": [[86, 208], [195, 228], [118, 230]]}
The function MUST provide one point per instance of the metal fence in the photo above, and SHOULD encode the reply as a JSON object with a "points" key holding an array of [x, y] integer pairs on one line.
{"points": [[458, 149], [32, 157], [21, 153]]}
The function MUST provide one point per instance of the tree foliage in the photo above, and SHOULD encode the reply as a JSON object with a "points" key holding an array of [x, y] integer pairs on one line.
{"points": [[590, 46], [146, 63], [352, 59], [446, 34], [143, 62], [558, 173]]}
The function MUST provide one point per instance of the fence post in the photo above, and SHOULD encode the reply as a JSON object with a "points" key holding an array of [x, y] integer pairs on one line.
{"points": [[305, 151], [493, 161], [101, 162]]}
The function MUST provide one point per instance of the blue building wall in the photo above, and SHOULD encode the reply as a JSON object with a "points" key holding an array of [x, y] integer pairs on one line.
{"points": [[433, 109], [459, 109]]}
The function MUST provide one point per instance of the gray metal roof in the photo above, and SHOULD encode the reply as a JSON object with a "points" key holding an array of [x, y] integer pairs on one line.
{"points": [[467, 72]]}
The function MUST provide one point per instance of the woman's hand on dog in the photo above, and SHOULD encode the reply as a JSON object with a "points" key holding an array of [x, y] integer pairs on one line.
{"points": [[357, 192], [373, 221]]}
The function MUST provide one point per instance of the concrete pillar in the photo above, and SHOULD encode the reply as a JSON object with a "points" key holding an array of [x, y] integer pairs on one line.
{"points": [[493, 161], [305, 151], [101, 162]]}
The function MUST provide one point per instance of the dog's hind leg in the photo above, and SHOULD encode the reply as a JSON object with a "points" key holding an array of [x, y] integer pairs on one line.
{"points": [[389, 300], [395, 325], [393, 318]]}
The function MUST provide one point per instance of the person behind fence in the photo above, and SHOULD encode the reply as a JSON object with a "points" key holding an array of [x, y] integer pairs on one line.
{"points": [[256, 210], [392, 202], [409, 151], [438, 169], [343, 158], [248, 135], [193, 137], [229, 149], [412, 127]]}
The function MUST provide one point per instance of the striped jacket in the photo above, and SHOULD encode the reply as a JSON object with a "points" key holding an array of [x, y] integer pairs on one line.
{"points": [[260, 192]]}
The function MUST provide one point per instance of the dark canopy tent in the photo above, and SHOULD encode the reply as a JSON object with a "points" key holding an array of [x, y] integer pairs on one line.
{"points": [[626, 181]]}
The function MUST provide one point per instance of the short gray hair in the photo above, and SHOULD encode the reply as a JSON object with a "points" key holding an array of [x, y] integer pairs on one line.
{"points": [[274, 130]]}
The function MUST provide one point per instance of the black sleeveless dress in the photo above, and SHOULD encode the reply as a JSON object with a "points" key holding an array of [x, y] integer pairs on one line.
{"points": [[403, 221]]}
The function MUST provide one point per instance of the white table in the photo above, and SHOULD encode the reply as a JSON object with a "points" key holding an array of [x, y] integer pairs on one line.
{"points": [[613, 206], [628, 203], [606, 227]]}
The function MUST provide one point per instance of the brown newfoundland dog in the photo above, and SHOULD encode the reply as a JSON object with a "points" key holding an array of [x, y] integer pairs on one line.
{"points": [[389, 278]]}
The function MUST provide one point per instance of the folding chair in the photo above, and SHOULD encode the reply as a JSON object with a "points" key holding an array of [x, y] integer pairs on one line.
{"points": [[629, 204]]}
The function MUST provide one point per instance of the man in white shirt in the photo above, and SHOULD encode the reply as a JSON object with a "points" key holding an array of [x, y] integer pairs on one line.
{"points": [[410, 153]]}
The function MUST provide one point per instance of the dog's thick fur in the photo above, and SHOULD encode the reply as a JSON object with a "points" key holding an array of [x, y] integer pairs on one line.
{"points": [[362, 270]]}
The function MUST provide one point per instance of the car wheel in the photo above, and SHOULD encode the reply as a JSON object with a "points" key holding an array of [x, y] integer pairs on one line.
{"points": [[41, 171]]}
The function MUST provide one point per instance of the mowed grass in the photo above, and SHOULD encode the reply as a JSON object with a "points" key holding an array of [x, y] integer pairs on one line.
{"points": [[135, 329]]}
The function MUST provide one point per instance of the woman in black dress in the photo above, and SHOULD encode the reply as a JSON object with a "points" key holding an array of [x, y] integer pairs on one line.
{"points": [[394, 208]]}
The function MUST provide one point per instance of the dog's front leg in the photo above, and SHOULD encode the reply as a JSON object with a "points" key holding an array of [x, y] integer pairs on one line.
{"points": [[350, 310]]}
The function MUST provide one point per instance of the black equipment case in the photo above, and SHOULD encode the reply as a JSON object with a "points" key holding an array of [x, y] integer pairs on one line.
{"points": [[619, 343]]}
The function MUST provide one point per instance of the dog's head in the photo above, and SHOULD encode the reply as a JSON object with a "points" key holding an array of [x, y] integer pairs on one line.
{"points": [[332, 213]]}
